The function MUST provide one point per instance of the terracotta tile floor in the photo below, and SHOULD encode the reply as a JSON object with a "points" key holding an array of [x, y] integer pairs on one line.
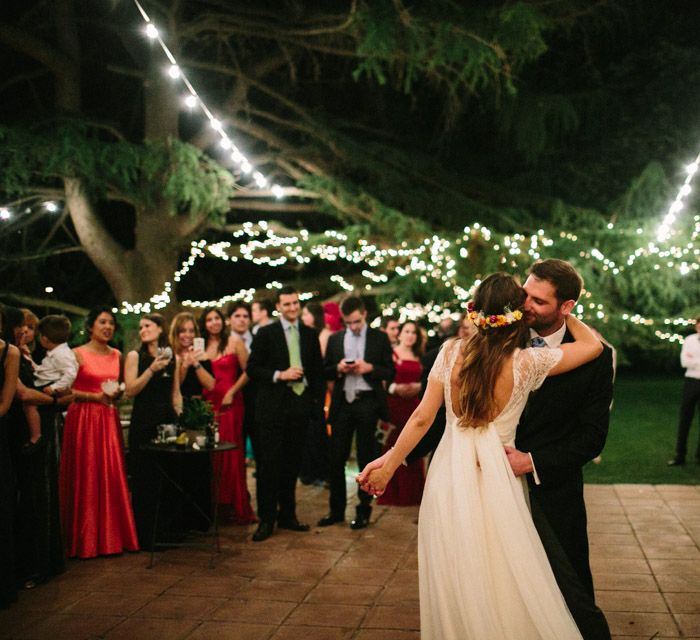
{"points": [[338, 584]]}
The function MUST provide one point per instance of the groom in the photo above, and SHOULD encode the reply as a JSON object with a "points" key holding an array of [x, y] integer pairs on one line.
{"points": [[563, 426]]}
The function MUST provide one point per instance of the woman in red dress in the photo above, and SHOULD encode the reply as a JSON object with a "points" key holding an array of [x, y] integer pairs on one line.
{"points": [[228, 357], [95, 509], [406, 487]]}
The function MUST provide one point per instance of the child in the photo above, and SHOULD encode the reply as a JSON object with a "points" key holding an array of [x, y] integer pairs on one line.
{"points": [[55, 374]]}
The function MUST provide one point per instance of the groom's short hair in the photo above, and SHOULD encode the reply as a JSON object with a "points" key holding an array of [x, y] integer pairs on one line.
{"points": [[564, 278]]}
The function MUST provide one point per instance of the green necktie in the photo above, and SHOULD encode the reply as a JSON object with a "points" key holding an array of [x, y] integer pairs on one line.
{"points": [[295, 357]]}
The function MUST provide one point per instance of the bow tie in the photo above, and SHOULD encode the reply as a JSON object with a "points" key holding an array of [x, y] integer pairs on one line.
{"points": [[538, 342]]}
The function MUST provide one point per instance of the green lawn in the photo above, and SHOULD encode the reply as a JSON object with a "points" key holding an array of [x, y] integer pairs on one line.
{"points": [[643, 434]]}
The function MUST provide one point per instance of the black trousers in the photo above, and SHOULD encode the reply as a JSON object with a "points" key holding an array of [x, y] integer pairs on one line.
{"points": [[589, 619], [359, 416], [562, 505], [689, 402], [278, 458]]}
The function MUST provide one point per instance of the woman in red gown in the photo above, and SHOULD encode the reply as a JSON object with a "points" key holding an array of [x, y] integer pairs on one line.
{"points": [[95, 510], [406, 487], [228, 357]]}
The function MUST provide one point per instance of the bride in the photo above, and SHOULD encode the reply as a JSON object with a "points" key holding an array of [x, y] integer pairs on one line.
{"points": [[483, 572]]}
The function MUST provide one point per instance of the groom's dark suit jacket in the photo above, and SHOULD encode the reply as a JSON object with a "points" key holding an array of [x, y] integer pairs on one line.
{"points": [[564, 426]]}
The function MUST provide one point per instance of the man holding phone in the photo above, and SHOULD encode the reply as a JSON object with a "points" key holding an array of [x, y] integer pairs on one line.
{"points": [[359, 359]]}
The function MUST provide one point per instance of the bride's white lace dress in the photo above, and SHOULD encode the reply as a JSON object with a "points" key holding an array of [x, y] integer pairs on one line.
{"points": [[483, 572]]}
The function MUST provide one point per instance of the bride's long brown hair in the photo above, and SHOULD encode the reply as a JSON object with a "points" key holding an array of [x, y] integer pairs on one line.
{"points": [[485, 353]]}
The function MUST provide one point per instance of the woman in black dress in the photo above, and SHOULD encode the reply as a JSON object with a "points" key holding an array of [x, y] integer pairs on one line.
{"points": [[39, 547], [151, 378], [195, 375], [9, 369]]}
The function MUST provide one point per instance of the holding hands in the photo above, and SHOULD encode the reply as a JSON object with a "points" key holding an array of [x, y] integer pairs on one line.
{"points": [[374, 478]]}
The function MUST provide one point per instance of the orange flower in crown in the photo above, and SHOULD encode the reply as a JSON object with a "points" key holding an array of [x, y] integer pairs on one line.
{"points": [[493, 321]]}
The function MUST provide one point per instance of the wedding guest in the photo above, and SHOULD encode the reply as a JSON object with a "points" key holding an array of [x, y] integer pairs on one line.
{"points": [[313, 316], [38, 546], [29, 328], [193, 364], [286, 363], [690, 361], [261, 313], [26, 343], [96, 510], [229, 358], [406, 486], [238, 314], [195, 376], [151, 379], [390, 326], [360, 361], [332, 316], [54, 375], [9, 371], [239, 320], [315, 460]]}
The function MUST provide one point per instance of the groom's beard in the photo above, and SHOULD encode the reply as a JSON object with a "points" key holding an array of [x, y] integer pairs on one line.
{"points": [[544, 324]]}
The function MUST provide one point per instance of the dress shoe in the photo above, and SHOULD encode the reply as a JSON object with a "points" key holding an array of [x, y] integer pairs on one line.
{"points": [[676, 462], [330, 519], [263, 532], [361, 519], [292, 525]]}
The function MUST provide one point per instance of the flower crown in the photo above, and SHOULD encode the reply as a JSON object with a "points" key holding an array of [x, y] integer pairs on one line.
{"points": [[491, 321]]}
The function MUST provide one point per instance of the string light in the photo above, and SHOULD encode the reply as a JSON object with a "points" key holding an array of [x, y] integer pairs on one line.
{"points": [[429, 259], [665, 229], [194, 99]]}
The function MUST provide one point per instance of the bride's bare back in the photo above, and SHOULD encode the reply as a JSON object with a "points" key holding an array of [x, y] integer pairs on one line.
{"points": [[504, 383]]}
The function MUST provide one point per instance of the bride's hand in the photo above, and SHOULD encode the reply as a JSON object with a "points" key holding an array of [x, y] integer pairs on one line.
{"points": [[377, 482]]}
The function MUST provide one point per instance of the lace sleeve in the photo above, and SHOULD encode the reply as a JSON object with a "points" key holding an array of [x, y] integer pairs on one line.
{"points": [[441, 369], [535, 364]]}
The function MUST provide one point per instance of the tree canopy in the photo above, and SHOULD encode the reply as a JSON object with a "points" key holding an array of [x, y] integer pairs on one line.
{"points": [[389, 122]]}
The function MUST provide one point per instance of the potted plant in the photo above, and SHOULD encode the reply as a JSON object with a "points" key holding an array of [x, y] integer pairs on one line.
{"points": [[196, 416]]}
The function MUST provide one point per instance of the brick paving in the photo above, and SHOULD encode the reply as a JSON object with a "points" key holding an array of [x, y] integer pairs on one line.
{"points": [[338, 584]]}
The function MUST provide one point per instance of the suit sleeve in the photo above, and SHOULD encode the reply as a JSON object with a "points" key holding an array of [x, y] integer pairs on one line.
{"points": [[317, 380], [258, 362], [383, 368], [333, 355], [587, 439]]}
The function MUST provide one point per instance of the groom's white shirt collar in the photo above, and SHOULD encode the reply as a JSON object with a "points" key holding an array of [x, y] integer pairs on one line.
{"points": [[553, 340]]}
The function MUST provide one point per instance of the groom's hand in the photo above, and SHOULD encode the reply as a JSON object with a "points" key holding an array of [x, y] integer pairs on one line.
{"points": [[520, 462]]}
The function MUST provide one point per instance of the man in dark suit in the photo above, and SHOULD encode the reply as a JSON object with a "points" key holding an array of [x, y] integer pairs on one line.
{"points": [[359, 360], [564, 426], [286, 364]]}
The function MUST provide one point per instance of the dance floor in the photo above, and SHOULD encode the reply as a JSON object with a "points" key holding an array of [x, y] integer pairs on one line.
{"points": [[334, 583]]}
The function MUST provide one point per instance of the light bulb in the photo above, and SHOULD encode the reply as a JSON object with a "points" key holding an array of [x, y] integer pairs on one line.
{"points": [[190, 102], [174, 71], [151, 31]]}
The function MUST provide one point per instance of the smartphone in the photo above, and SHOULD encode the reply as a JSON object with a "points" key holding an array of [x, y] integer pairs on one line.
{"points": [[350, 362], [198, 344]]}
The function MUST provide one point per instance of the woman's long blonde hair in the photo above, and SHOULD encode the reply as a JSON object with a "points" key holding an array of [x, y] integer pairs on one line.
{"points": [[485, 352]]}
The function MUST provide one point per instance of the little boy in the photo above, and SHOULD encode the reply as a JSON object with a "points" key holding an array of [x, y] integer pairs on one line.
{"points": [[57, 371]]}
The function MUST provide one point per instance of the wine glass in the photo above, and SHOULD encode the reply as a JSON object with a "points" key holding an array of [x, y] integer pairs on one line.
{"points": [[166, 353]]}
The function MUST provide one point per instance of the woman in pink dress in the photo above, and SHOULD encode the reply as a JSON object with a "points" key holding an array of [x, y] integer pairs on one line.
{"points": [[96, 513], [406, 487], [228, 357]]}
